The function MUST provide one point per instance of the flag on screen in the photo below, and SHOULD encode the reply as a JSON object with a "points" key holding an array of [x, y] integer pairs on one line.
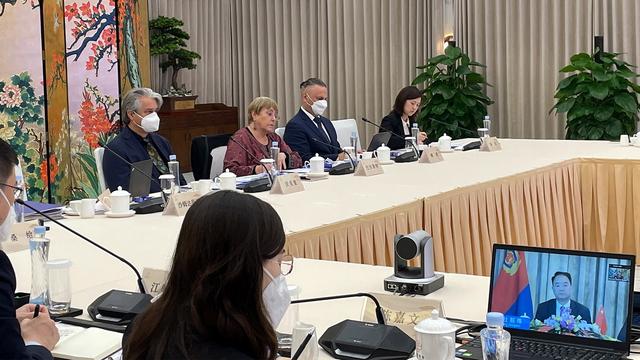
{"points": [[511, 292], [601, 320]]}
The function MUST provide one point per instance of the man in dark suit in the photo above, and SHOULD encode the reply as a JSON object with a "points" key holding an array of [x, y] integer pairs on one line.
{"points": [[21, 335], [308, 129], [562, 289], [138, 141]]}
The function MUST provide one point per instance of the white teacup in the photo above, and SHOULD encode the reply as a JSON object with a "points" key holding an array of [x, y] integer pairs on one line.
{"points": [[203, 186], [435, 338], [118, 201], [624, 139], [315, 164], [87, 208], [383, 153], [75, 206], [444, 143], [227, 180], [366, 155], [194, 186], [635, 141]]}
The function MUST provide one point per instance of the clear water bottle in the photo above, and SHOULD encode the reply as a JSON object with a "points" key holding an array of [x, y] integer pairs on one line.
{"points": [[354, 141], [174, 169], [274, 151], [39, 249], [486, 124], [23, 195], [495, 340], [415, 131]]}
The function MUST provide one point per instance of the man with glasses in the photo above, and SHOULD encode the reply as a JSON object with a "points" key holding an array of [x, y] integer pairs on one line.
{"points": [[21, 335]]}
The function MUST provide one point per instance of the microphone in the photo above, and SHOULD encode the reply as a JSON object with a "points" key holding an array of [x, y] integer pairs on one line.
{"points": [[405, 157], [148, 206], [130, 304], [257, 185], [373, 340], [340, 169], [470, 146], [475, 133]]}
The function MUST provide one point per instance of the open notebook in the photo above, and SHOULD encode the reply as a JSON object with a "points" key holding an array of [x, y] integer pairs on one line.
{"points": [[78, 343]]}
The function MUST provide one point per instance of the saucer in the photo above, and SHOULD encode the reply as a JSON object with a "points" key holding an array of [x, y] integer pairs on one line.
{"points": [[390, 162], [321, 175], [120, 215], [447, 151], [69, 211]]}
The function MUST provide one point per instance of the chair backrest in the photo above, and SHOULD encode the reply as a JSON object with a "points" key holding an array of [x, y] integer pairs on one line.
{"points": [[344, 128], [98, 154], [280, 132], [217, 161], [201, 147]]}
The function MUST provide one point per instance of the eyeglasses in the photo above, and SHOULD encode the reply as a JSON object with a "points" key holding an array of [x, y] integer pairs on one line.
{"points": [[286, 265], [16, 190]]}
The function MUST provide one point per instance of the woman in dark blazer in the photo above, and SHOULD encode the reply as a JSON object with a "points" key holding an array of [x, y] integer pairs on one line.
{"points": [[226, 292], [402, 117]]}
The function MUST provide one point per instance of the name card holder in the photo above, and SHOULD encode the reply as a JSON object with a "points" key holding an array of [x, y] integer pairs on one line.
{"points": [[491, 144], [369, 167], [431, 155], [154, 280], [19, 238], [179, 203], [287, 184]]}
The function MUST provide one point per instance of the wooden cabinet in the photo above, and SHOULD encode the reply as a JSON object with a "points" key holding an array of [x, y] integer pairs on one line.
{"points": [[179, 127]]}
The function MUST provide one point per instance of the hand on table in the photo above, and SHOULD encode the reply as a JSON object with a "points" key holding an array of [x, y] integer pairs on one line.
{"points": [[422, 136], [40, 329]]}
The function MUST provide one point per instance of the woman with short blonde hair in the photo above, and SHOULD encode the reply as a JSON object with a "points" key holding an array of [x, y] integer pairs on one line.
{"points": [[257, 137]]}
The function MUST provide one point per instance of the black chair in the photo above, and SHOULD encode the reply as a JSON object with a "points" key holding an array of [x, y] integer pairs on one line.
{"points": [[201, 147]]}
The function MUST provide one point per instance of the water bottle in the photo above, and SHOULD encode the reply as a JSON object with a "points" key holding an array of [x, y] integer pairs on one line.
{"points": [[174, 169], [354, 141], [486, 123], [495, 340], [19, 209], [39, 249], [415, 131], [275, 153]]}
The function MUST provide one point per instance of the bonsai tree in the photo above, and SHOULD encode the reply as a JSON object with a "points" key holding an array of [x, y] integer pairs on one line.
{"points": [[453, 101], [599, 98], [167, 38]]}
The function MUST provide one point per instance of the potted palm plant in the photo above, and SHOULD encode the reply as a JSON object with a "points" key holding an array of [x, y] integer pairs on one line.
{"points": [[453, 101], [599, 99], [168, 41]]}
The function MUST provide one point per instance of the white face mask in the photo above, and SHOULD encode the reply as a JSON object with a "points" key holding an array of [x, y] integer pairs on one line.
{"points": [[149, 123], [7, 224], [319, 107], [276, 298]]}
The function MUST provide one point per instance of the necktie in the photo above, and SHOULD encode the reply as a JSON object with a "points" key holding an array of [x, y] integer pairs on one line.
{"points": [[318, 123], [156, 158]]}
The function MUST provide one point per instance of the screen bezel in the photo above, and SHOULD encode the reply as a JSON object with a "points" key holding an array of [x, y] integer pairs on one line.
{"points": [[603, 344]]}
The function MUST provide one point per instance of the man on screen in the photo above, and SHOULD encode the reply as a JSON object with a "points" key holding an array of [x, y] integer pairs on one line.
{"points": [[562, 289]]}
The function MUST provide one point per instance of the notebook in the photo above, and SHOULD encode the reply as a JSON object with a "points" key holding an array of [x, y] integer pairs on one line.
{"points": [[78, 343], [560, 302]]}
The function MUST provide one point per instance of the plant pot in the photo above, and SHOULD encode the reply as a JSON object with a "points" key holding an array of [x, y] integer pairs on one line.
{"points": [[178, 103]]}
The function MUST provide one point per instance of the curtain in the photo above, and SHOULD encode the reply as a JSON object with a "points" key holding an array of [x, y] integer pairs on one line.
{"points": [[593, 284], [365, 50]]}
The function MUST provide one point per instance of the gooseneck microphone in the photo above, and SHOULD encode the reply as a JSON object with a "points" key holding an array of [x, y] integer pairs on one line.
{"points": [[115, 306], [340, 150], [475, 133], [379, 314], [470, 146], [257, 185], [405, 157]]}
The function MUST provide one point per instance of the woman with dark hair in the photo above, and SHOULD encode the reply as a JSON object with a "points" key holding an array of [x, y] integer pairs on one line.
{"points": [[403, 116], [226, 291]]}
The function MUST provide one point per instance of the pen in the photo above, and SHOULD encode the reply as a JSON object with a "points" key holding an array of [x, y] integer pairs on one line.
{"points": [[303, 345], [36, 311]]}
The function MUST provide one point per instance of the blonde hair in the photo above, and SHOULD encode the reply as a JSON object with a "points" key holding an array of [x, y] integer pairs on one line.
{"points": [[260, 103]]}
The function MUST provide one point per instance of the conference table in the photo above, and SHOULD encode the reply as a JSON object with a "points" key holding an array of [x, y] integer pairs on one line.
{"points": [[569, 194]]}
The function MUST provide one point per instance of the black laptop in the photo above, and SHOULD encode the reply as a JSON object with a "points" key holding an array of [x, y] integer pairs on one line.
{"points": [[379, 139], [139, 184], [561, 304]]}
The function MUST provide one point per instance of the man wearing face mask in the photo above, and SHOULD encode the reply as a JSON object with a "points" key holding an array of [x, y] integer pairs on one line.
{"points": [[138, 141], [21, 335], [309, 124]]}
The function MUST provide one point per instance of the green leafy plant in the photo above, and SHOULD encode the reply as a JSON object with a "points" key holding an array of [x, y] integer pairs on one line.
{"points": [[167, 38], [599, 99], [453, 101]]}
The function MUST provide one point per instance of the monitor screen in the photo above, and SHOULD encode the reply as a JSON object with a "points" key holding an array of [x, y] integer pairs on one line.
{"points": [[558, 293]]}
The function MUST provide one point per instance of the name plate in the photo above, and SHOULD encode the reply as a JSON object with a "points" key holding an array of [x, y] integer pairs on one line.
{"points": [[19, 238], [154, 280], [369, 167], [179, 203], [491, 144], [287, 184], [431, 155]]}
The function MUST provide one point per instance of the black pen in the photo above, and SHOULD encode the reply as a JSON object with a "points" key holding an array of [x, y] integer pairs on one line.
{"points": [[303, 345], [36, 311]]}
